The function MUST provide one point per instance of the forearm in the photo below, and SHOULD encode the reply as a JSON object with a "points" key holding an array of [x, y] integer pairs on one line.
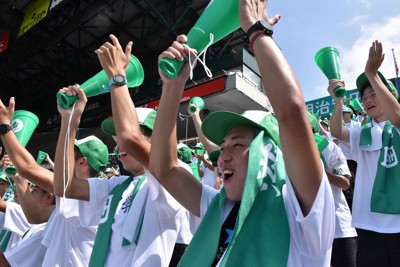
{"points": [[338, 181], [389, 103], [298, 146], [64, 161], [25, 163], [208, 145], [126, 122], [164, 144], [337, 128]]}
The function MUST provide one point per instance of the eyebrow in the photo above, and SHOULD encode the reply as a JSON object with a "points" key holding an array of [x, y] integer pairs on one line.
{"points": [[235, 137]]}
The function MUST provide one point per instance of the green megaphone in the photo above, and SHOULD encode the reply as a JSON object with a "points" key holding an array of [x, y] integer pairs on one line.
{"points": [[98, 84], [196, 102], [327, 59], [24, 124], [221, 17]]}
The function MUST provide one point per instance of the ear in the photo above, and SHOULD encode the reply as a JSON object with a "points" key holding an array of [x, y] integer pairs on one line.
{"points": [[49, 199], [83, 161]]}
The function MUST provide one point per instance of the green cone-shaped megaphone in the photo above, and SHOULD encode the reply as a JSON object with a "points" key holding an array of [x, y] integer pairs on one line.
{"points": [[221, 17], [98, 84], [196, 102], [24, 124], [327, 59]]}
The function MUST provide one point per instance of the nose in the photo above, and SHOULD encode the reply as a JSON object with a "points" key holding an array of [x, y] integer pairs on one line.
{"points": [[225, 155]]}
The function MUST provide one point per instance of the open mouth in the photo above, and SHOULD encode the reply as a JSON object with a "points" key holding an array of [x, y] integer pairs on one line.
{"points": [[227, 174]]}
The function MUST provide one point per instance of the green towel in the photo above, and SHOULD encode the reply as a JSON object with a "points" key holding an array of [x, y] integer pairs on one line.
{"points": [[386, 190], [261, 236]]}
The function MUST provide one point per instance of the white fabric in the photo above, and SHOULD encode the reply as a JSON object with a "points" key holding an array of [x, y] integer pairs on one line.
{"points": [[16, 222], [367, 161], [311, 237], [68, 242], [336, 164], [29, 251], [209, 176], [163, 219]]}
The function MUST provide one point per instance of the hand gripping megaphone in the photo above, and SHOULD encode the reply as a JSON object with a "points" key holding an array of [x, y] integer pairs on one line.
{"points": [[98, 84], [327, 59], [221, 17]]}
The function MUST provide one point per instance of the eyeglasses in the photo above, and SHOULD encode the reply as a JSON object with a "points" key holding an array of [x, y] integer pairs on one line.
{"points": [[120, 155]]}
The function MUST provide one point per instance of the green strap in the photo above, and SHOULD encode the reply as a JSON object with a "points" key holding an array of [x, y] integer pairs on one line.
{"points": [[103, 236], [4, 239]]}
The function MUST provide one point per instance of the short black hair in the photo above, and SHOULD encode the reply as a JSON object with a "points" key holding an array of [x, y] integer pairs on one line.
{"points": [[368, 84]]}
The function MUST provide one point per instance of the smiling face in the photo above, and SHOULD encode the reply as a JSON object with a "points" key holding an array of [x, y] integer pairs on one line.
{"points": [[372, 105], [233, 160]]}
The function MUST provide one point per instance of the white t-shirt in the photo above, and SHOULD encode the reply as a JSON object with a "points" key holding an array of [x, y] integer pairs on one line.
{"points": [[163, 217], [366, 171], [311, 237], [28, 251], [336, 163], [209, 176], [16, 222], [68, 242]]}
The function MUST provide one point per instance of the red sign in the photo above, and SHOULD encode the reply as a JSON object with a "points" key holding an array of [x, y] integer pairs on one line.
{"points": [[4, 39], [203, 89]]}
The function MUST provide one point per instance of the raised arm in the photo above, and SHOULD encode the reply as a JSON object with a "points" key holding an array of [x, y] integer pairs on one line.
{"points": [[163, 158], [389, 104], [130, 139], [338, 130], [21, 158], [299, 150], [208, 145], [64, 161]]}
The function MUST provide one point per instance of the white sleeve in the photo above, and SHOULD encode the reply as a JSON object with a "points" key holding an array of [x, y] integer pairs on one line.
{"points": [[166, 204], [30, 252], [90, 211], [207, 195], [336, 162], [312, 235], [354, 143], [15, 220]]}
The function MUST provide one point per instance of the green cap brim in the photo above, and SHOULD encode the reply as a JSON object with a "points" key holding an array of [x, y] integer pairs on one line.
{"points": [[362, 79], [217, 124]]}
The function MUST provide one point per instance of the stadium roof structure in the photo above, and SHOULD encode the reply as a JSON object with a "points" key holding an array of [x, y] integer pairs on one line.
{"points": [[59, 49]]}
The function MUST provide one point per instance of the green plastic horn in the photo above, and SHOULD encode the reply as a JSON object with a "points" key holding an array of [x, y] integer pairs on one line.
{"points": [[24, 124], [221, 17], [327, 59], [98, 84]]}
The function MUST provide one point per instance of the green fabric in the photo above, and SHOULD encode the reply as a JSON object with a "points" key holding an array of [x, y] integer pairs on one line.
{"points": [[261, 236], [386, 190], [195, 170], [103, 236], [322, 143], [4, 239], [366, 136]]}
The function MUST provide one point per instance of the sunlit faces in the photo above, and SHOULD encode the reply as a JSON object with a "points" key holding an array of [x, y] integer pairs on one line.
{"points": [[371, 105], [233, 160]]}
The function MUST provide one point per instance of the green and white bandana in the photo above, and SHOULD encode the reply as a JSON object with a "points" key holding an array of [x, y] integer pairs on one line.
{"points": [[103, 236], [386, 190], [261, 236]]}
